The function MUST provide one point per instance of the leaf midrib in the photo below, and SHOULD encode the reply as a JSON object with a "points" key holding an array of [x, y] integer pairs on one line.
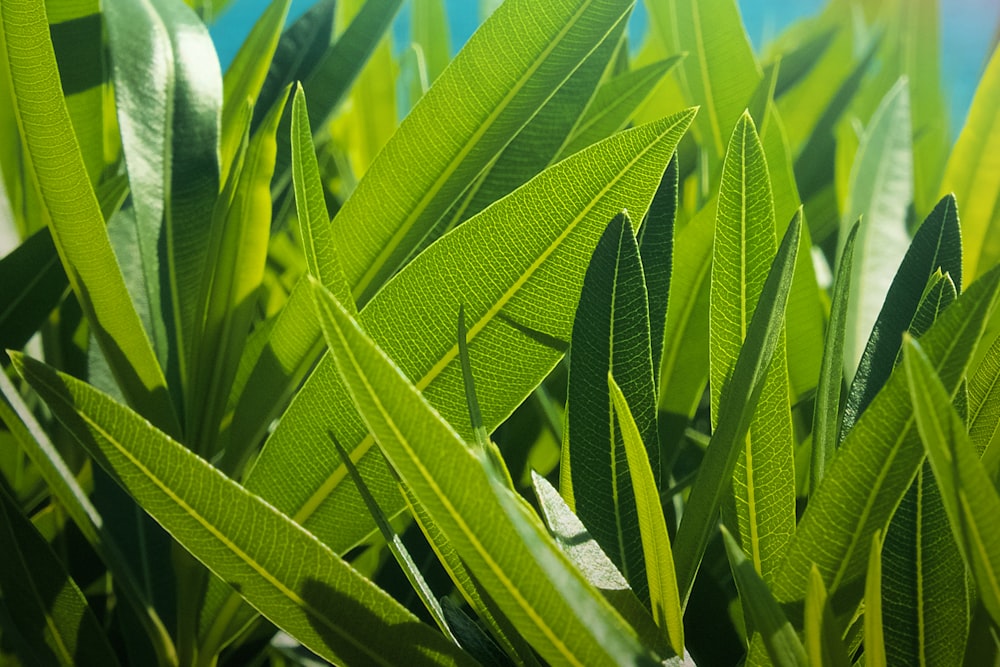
{"points": [[400, 234]]}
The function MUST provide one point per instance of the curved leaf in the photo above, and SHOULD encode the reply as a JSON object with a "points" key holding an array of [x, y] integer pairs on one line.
{"points": [[77, 224], [298, 583], [504, 545]]}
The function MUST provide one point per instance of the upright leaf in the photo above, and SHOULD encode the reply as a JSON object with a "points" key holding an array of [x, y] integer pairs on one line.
{"points": [[77, 224], [874, 626], [611, 334], [294, 580], [984, 400], [34, 282], [455, 131], [880, 194], [936, 245], [823, 641], [764, 481], [504, 544], [656, 250], [973, 176]]}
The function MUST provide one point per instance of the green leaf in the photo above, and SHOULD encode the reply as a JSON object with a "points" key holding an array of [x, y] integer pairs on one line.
{"points": [[737, 405], [63, 485], [429, 29], [50, 612], [583, 551], [973, 179], [246, 75], [318, 241], [536, 272], [984, 404], [831, 377], [656, 250], [783, 645], [881, 191], [937, 244], [764, 480], [968, 493], [720, 72], [77, 224], [614, 104], [455, 131], [823, 643], [796, 63], [874, 627], [302, 587], [502, 542], [876, 463], [663, 593], [34, 282], [611, 334]]}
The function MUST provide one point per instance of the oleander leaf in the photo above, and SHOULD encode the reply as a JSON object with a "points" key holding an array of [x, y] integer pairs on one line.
{"points": [[881, 193], [764, 478], [936, 245], [611, 334], [502, 542], [737, 405], [984, 405], [972, 174], [77, 224], [874, 624], [50, 612], [968, 494], [302, 587], [663, 594], [823, 642], [455, 131], [34, 282]]}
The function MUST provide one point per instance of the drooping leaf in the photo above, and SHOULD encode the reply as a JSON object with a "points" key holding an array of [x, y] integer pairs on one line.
{"points": [[764, 479], [783, 644], [736, 408], [937, 244], [302, 587], [50, 612], [535, 273], [972, 175], [881, 192], [663, 594], [33, 281], [611, 334], [455, 131], [501, 541], [968, 494], [69, 201], [875, 464], [831, 378]]}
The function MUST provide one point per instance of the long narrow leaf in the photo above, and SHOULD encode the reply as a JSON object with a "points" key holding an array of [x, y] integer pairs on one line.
{"points": [[874, 625], [823, 642]]}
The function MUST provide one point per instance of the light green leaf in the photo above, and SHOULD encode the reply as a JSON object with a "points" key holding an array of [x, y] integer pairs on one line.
{"points": [[583, 551], [76, 222], [318, 241], [968, 493], [536, 272], [502, 542], [831, 377], [823, 643], [880, 194], [783, 644], [245, 76], [973, 176], [429, 30], [874, 627], [455, 131], [63, 485], [876, 463], [663, 593], [720, 72], [764, 480], [936, 245], [736, 408], [302, 587], [50, 612], [614, 104], [984, 405], [611, 334]]}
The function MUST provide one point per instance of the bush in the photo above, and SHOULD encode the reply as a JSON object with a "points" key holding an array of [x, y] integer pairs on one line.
{"points": [[577, 373]]}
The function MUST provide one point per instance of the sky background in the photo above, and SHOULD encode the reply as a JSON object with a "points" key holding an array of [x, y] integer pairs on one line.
{"points": [[966, 32]]}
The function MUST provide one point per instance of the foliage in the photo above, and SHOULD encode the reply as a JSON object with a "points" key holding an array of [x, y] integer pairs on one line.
{"points": [[550, 371]]}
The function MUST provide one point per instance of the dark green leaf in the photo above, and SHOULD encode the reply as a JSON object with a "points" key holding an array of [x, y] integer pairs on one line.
{"points": [[33, 282], [656, 250]]}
